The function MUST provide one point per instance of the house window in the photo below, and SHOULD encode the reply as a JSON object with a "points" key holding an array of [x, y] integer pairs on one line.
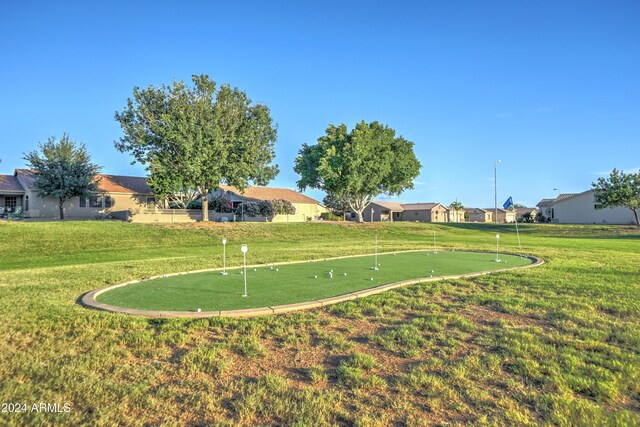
{"points": [[95, 201], [552, 213], [83, 202], [26, 203], [10, 202], [108, 201], [151, 202]]}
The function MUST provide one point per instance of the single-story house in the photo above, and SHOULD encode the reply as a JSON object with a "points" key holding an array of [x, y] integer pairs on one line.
{"points": [[115, 193], [306, 207], [581, 208], [425, 212], [533, 212], [504, 215], [544, 207], [383, 211], [457, 215], [393, 211], [12, 195], [479, 215]]}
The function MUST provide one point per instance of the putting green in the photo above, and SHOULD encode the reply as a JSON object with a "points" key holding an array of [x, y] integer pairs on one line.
{"points": [[297, 282]]}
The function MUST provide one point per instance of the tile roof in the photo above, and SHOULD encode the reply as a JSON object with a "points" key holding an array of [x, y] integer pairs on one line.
{"points": [[545, 202], [27, 176], [123, 184], [107, 183], [565, 196], [419, 206], [269, 193], [392, 206], [522, 211], [10, 183], [475, 210]]}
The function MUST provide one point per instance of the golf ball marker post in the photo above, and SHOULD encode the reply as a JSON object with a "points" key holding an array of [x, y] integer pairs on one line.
{"points": [[224, 257], [244, 249]]}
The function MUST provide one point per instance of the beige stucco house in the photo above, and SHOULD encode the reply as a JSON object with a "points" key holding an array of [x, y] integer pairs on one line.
{"points": [[479, 215], [115, 194], [129, 198], [533, 212], [504, 215], [581, 208], [378, 211], [394, 211], [306, 208]]}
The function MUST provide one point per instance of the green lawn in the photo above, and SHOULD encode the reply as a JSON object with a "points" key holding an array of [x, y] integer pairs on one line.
{"points": [[554, 345], [292, 283]]}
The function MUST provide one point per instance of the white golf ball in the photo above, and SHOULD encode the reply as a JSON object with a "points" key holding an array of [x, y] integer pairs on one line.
{"points": [[371, 279], [277, 269], [345, 274], [315, 277], [199, 310]]}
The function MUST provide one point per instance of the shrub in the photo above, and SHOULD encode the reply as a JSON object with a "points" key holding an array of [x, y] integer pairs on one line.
{"points": [[221, 204], [330, 216], [283, 207]]}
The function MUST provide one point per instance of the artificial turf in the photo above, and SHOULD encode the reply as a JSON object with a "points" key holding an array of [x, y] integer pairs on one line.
{"points": [[298, 282]]}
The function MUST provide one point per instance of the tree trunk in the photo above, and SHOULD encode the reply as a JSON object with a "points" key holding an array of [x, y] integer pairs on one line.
{"points": [[205, 204], [60, 206], [635, 213]]}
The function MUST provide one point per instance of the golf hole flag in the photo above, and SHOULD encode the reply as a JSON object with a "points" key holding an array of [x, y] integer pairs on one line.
{"points": [[508, 203]]}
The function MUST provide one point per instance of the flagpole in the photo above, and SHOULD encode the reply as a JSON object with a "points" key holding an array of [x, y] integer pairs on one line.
{"points": [[507, 205], [518, 233]]}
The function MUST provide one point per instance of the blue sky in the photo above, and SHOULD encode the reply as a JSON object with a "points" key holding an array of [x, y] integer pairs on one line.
{"points": [[550, 88]]}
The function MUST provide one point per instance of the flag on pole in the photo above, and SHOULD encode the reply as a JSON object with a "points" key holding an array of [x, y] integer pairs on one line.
{"points": [[508, 203]]}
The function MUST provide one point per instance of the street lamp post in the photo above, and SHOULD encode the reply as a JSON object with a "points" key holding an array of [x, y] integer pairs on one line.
{"points": [[244, 249], [224, 257], [495, 190]]}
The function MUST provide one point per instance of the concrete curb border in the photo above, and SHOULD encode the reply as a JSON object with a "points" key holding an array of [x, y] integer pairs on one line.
{"points": [[89, 299]]}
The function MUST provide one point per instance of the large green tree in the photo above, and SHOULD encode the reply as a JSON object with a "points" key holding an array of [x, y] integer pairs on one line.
{"points": [[63, 169], [619, 190], [197, 137], [359, 165]]}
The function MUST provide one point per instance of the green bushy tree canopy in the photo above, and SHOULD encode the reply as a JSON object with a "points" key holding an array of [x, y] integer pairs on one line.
{"points": [[356, 166], [197, 137], [63, 169], [619, 190]]}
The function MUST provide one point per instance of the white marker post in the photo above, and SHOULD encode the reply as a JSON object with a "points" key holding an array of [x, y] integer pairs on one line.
{"points": [[435, 248], [244, 249], [224, 257], [497, 248], [375, 265]]}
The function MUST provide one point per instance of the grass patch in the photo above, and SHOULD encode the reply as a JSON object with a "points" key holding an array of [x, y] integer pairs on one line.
{"points": [[554, 345]]}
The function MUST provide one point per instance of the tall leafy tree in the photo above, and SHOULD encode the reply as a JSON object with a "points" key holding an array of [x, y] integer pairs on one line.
{"points": [[359, 165], [619, 190], [197, 137], [63, 169]]}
